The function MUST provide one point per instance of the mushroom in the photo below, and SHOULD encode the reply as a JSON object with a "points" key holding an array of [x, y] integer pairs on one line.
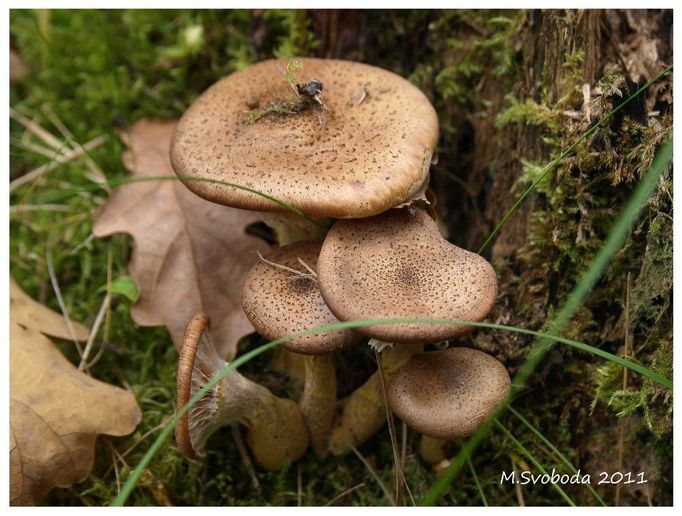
{"points": [[447, 394], [344, 159], [276, 432], [397, 265], [280, 297]]}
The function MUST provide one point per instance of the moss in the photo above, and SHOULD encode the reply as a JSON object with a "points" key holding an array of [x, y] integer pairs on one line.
{"points": [[527, 112], [294, 34], [488, 54]]}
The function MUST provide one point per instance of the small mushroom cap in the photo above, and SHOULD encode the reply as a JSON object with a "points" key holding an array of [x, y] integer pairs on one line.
{"points": [[183, 375], [370, 150], [448, 394], [279, 303], [397, 265]]}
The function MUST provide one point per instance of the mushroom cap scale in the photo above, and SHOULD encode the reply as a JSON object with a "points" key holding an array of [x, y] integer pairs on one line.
{"points": [[364, 154], [278, 304], [448, 394], [397, 265]]}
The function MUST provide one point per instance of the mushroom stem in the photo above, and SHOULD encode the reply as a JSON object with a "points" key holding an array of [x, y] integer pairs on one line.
{"points": [[363, 413], [318, 401], [290, 228], [432, 449], [276, 432]]}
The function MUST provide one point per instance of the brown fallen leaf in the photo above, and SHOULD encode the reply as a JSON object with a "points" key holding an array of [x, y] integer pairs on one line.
{"points": [[31, 314], [56, 411], [190, 255]]}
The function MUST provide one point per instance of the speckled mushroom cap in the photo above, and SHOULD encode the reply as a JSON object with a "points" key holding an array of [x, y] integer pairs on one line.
{"points": [[194, 332], [448, 394], [370, 151], [398, 265], [277, 304]]}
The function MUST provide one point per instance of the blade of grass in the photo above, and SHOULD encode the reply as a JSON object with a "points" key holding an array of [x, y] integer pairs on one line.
{"points": [[613, 242], [65, 193], [554, 163], [554, 449], [134, 477], [535, 462], [478, 484]]}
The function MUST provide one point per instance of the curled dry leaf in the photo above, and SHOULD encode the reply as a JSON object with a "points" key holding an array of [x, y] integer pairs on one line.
{"points": [[56, 411], [190, 255]]}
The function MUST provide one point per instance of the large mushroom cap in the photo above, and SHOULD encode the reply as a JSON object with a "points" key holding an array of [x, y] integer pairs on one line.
{"points": [[397, 265], [278, 302], [369, 151], [448, 394]]}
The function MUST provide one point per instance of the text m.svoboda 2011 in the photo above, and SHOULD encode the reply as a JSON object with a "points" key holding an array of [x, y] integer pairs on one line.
{"points": [[527, 477]]}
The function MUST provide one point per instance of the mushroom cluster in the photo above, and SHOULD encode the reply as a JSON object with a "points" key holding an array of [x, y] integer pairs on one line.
{"points": [[351, 142]]}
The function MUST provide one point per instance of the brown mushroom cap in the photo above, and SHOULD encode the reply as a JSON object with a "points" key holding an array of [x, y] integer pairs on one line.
{"points": [[398, 265], [193, 334], [358, 158], [448, 394], [278, 304]]}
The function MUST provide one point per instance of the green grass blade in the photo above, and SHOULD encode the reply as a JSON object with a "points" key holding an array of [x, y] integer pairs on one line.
{"points": [[554, 163], [535, 462], [554, 449], [65, 193], [613, 242], [135, 475], [478, 483]]}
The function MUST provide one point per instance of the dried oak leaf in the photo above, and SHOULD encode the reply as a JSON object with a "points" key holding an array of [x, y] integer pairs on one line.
{"points": [[31, 314], [190, 255], [56, 411]]}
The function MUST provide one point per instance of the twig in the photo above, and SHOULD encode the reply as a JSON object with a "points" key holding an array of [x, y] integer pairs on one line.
{"points": [[363, 94], [95, 359], [403, 449], [114, 462], [297, 274], [627, 351], [391, 431], [57, 161], [100, 177], [20, 208], [81, 245], [374, 475], [93, 332], [517, 486], [245, 457], [60, 299], [36, 129], [308, 267], [38, 149], [344, 493], [299, 484]]}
